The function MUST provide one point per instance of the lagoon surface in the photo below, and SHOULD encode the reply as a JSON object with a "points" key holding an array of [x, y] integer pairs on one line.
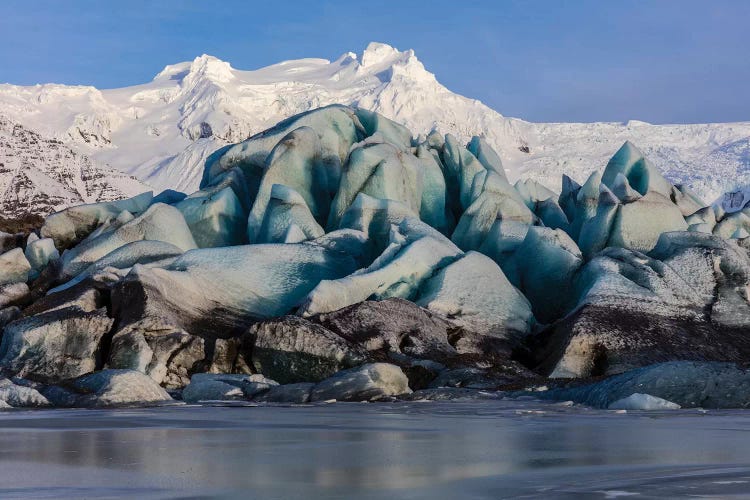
{"points": [[466, 449]]}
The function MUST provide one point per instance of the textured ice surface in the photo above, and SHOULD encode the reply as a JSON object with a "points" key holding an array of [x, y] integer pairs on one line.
{"points": [[476, 294], [545, 265], [639, 224], [215, 219], [487, 156], [381, 171], [119, 387], [14, 267], [397, 272], [74, 223], [297, 162], [125, 257], [494, 200], [160, 222], [39, 252], [364, 383], [374, 217], [641, 175], [689, 384], [287, 218], [638, 401], [337, 128], [257, 280]]}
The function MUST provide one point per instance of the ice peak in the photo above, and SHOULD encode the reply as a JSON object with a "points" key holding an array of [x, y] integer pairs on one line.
{"points": [[211, 67], [377, 52], [204, 66], [381, 58]]}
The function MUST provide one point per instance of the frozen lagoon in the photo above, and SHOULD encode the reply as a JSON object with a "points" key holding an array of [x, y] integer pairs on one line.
{"points": [[468, 449]]}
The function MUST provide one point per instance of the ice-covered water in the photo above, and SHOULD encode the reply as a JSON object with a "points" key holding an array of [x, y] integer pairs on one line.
{"points": [[484, 449]]}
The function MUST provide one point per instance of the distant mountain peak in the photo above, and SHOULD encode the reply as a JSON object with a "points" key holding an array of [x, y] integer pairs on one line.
{"points": [[162, 131], [212, 68]]}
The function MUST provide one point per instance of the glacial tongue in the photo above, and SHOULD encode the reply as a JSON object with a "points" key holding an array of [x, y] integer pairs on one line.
{"points": [[337, 256]]}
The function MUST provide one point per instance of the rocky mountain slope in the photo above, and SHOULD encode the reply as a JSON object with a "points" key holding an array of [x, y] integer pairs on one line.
{"points": [[336, 256], [162, 131], [41, 175]]}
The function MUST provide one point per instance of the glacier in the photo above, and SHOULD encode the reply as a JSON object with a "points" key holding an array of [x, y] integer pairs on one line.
{"points": [[342, 252]]}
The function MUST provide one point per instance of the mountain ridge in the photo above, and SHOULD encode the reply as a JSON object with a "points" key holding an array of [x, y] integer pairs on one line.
{"points": [[162, 131]]}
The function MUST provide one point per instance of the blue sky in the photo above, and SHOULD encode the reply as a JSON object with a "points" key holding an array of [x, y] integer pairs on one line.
{"points": [[668, 61]]}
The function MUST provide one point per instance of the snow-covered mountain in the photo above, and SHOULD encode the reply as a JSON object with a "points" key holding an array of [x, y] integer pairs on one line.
{"points": [[40, 175], [162, 131]]}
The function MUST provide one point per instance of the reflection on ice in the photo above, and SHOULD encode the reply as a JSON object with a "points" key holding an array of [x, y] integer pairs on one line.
{"points": [[484, 449]]}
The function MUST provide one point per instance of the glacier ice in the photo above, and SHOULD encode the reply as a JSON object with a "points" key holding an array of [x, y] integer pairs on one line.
{"points": [[638, 401], [487, 156], [296, 162], [544, 265], [203, 280], [339, 206], [433, 205], [337, 126], [392, 132], [74, 223], [381, 171], [398, 272], [641, 175], [39, 253], [287, 218], [596, 231], [374, 216], [475, 292], [125, 257], [639, 224], [215, 219], [159, 222], [495, 200], [14, 267]]}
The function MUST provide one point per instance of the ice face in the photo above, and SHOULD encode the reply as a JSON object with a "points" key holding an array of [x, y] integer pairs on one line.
{"points": [[621, 188], [642, 176], [374, 217], [568, 197], [215, 219], [638, 225], [461, 167], [39, 253], [14, 268], [545, 265], [433, 209], [125, 257], [160, 222], [730, 224], [398, 272], [586, 203], [74, 223], [392, 132], [203, 280], [337, 127], [486, 155], [287, 218], [476, 294], [495, 199], [388, 202], [596, 231], [618, 275], [296, 162], [380, 171], [686, 200]]}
